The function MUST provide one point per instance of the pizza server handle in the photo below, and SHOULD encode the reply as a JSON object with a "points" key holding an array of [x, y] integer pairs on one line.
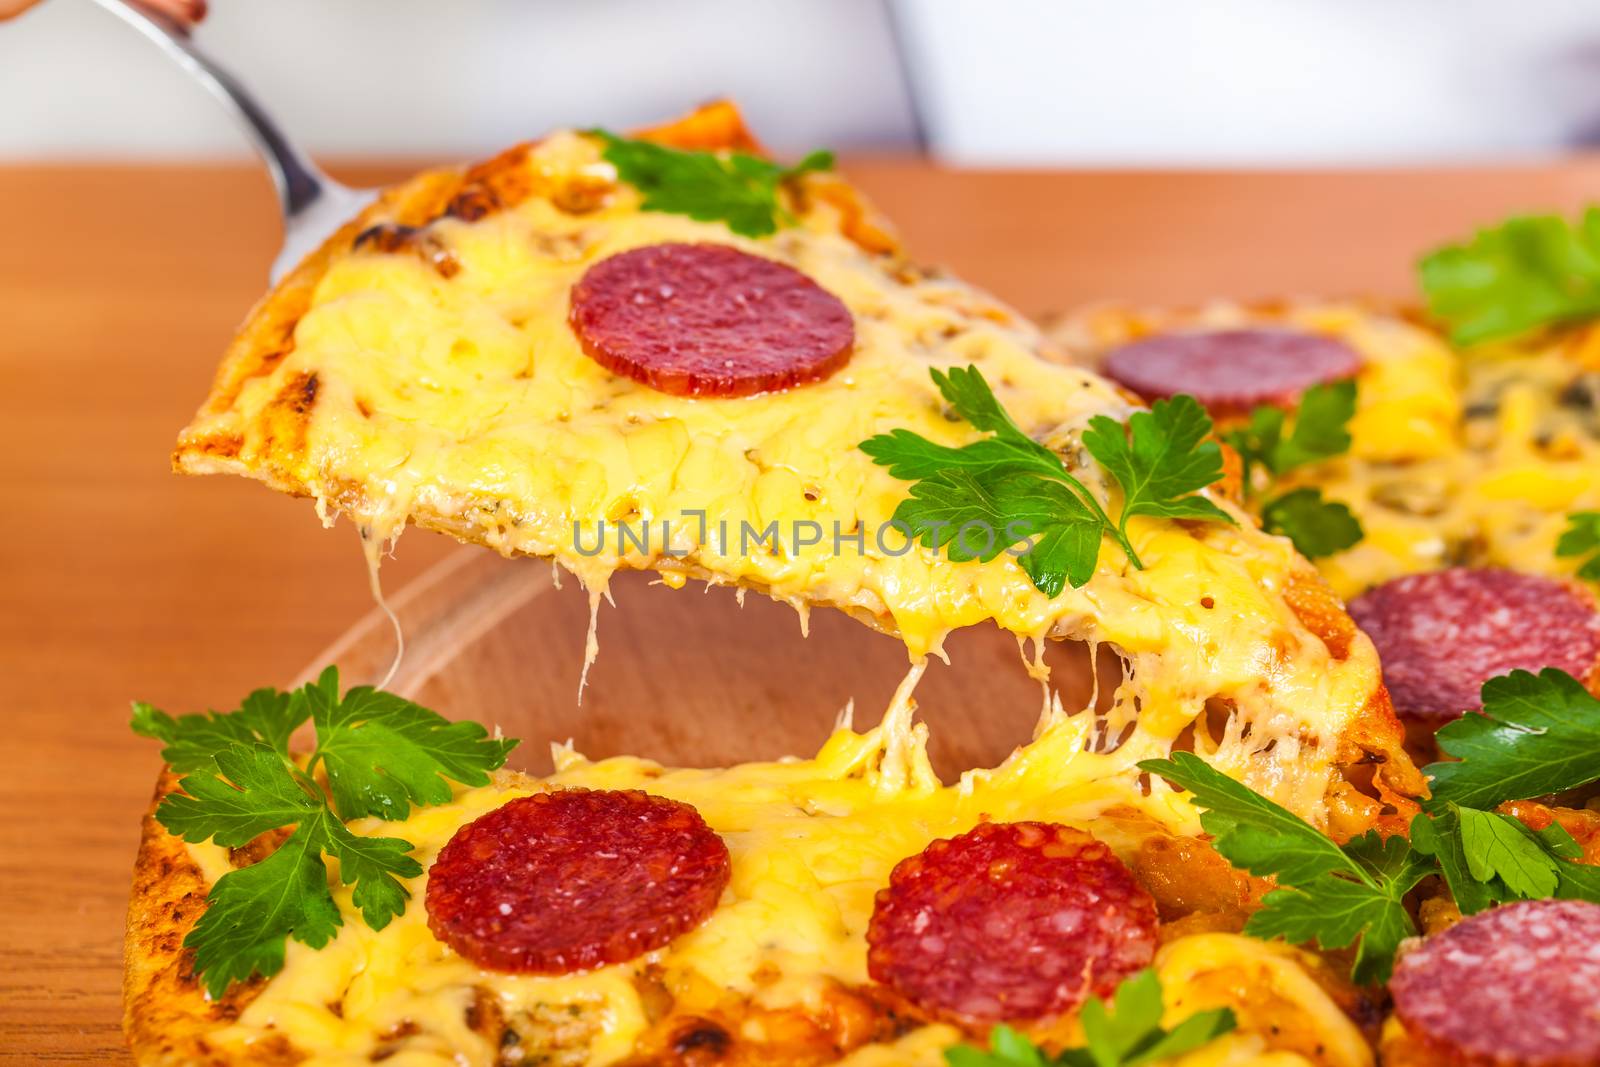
{"points": [[314, 205]]}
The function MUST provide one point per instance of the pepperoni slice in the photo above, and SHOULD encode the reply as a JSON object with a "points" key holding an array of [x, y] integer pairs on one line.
{"points": [[1232, 370], [1011, 921], [709, 320], [1514, 987], [565, 881], [1441, 635]]}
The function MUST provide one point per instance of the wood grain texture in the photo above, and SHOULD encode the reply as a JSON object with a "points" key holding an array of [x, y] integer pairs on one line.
{"points": [[120, 286]]}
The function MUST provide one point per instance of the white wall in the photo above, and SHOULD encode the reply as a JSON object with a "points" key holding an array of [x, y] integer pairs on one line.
{"points": [[1253, 81], [452, 78], [1070, 82]]}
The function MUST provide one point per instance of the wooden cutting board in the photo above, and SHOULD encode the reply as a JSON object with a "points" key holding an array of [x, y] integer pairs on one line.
{"points": [[697, 676]]}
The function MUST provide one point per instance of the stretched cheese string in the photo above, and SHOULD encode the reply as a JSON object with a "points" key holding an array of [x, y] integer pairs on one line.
{"points": [[372, 548], [591, 642], [904, 764]]}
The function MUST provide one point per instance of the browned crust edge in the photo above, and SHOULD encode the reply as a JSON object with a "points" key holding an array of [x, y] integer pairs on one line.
{"points": [[166, 1017]]}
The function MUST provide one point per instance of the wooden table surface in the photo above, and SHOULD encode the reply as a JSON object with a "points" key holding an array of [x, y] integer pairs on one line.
{"points": [[119, 288]]}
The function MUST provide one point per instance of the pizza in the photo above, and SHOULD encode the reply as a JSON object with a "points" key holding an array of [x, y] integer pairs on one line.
{"points": [[667, 352]]}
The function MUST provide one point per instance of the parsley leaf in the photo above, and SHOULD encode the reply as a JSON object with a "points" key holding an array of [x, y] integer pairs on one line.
{"points": [[1252, 832], [1160, 460], [1439, 835], [251, 912], [734, 187], [1128, 1033], [374, 866], [1488, 858], [1537, 734], [1582, 536], [248, 791], [1330, 895], [1496, 846], [1319, 432], [1318, 527], [266, 716], [380, 753], [1333, 912], [980, 499], [1007, 1048], [1530, 271]]}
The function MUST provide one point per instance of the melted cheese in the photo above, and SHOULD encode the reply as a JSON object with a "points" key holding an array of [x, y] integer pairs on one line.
{"points": [[1269, 989], [468, 397], [1509, 448], [811, 841]]}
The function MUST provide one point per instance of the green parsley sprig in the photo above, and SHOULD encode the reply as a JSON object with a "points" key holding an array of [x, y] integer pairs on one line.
{"points": [[732, 187], [1536, 735], [1318, 432], [1580, 538], [1327, 894], [379, 755], [1011, 489], [1530, 271], [1127, 1033]]}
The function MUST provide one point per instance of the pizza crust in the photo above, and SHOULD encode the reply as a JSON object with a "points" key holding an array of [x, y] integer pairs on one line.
{"points": [[165, 1014]]}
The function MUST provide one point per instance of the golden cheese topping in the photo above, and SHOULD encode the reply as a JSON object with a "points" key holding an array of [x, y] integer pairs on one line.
{"points": [[811, 842], [1511, 447], [461, 399]]}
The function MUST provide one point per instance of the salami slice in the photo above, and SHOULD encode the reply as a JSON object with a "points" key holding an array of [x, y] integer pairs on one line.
{"points": [[1011, 921], [1514, 987], [1441, 635], [565, 881], [1231, 371], [709, 320]]}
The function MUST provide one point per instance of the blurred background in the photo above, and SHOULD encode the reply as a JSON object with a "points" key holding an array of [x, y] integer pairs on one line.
{"points": [[1142, 83]]}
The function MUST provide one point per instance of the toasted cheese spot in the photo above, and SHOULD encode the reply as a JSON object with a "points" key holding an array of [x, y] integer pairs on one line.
{"points": [[390, 237]]}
